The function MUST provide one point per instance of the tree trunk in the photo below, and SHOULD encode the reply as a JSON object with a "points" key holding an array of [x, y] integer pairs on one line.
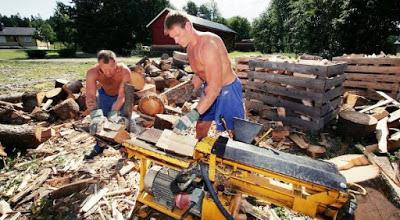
{"points": [[14, 98]]}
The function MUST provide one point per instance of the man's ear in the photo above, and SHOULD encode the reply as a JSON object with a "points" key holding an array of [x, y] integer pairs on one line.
{"points": [[188, 26]]}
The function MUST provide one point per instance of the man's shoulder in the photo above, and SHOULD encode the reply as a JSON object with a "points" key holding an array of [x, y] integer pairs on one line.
{"points": [[123, 68], [93, 70]]}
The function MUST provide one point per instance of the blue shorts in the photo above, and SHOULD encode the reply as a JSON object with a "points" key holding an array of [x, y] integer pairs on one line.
{"points": [[105, 102], [228, 104]]}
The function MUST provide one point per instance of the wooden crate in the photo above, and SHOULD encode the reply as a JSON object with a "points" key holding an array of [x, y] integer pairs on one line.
{"points": [[304, 94], [365, 75]]}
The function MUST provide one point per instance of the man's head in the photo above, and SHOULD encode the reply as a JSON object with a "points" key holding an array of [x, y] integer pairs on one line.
{"points": [[178, 26], [107, 62]]}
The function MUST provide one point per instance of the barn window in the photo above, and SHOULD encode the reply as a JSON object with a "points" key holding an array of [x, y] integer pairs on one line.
{"points": [[2, 39], [28, 39]]}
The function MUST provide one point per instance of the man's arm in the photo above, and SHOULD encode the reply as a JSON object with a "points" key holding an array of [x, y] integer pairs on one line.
{"points": [[91, 90], [213, 73], [126, 78]]}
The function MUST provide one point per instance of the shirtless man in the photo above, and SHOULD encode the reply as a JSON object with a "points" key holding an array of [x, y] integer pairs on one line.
{"points": [[110, 76], [209, 60]]}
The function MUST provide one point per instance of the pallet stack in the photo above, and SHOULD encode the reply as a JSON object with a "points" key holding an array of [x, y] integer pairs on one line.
{"points": [[303, 94], [242, 68], [365, 75]]}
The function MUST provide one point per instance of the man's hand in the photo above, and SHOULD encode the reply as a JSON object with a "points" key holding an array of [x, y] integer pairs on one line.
{"points": [[185, 122], [113, 116], [97, 118]]}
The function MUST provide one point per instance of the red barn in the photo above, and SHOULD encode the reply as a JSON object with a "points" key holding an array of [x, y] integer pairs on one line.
{"points": [[161, 42]]}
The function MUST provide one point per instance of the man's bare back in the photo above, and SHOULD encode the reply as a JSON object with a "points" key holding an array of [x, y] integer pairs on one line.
{"points": [[196, 57]]}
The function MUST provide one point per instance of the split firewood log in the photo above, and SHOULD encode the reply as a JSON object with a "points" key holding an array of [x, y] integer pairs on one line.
{"points": [[137, 80], [152, 70], [66, 109], [151, 104], [165, 65]]}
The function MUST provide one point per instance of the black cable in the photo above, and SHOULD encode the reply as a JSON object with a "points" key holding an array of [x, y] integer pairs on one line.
{"points": [[212, 192]]}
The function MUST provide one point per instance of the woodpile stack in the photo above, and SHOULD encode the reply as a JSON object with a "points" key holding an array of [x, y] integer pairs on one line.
{"points": [[366, 74], [305, 94]]}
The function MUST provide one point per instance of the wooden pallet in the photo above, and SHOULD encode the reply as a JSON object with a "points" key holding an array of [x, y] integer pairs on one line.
{"points": [[306, 95], [366, 75]]}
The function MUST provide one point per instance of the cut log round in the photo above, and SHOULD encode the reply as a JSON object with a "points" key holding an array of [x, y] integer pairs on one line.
{"points": [[57, 94], [151, 105], [74, 86], [137, 80], [356, 124], [66, 109], [28, 101]]}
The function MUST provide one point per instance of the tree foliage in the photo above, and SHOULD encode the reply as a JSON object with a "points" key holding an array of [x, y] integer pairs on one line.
{"points": [[191, 8], [116, 25], [328, 27], [63, 24], [241, 25]]}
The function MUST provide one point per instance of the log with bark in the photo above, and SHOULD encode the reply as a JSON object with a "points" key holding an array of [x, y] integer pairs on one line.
{"points": [[152, 70], [9, 115], [66, 109], [74, 86], [13, 98], [356, 124], [25, 135], [179, 94], [180, 59], [28, 101], [129, 99]]}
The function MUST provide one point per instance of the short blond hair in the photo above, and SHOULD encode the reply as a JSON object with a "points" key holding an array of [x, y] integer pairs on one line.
{"points": [[106, 56]]}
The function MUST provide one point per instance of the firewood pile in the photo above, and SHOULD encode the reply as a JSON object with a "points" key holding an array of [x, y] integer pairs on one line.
{"points": [[53, 180], [366, 74]]}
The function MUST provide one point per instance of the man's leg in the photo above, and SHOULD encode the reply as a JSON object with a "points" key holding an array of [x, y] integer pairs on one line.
{"points": [[202, 128], [104, 102]]}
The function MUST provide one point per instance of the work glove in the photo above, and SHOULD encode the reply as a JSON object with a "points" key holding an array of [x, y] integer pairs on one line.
{"points": [[97, 119], [185, 122], [113, 116]]}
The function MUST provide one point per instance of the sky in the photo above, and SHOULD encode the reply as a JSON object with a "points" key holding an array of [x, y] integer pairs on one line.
{"points": [[45, 8]]}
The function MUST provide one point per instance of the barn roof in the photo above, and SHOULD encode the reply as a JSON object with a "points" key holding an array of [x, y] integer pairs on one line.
{"points": [[17, 31], [198, 21]]}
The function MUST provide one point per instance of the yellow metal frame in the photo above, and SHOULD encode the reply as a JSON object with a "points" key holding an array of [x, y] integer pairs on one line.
{"points": [[281, 190]]}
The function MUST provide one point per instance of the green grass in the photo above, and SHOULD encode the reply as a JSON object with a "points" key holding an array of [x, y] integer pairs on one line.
{"points": [[235, 54], [11, 54], [20, 76]]}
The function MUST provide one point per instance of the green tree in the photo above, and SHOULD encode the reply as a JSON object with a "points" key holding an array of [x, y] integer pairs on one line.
{"points": [[204, 12], [63, 25], [241, 25], [191, 8], [115, 25], [43, 29]]}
